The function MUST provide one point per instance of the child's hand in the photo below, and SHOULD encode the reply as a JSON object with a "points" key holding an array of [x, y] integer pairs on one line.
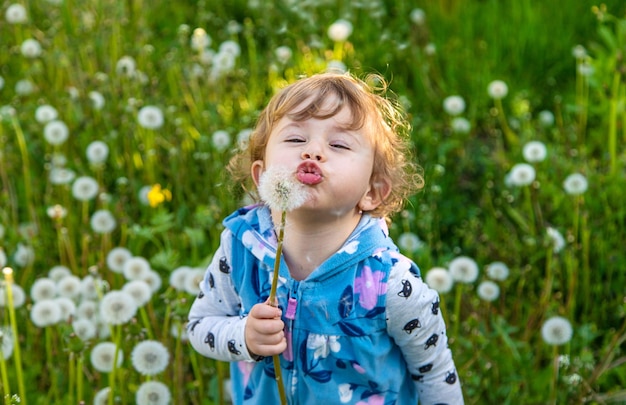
{"points": [[264, 331]]}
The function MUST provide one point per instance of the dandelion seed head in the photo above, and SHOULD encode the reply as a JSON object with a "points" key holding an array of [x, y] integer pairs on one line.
{"points": [[150, 357], [153, 280], [460, 125], [102, 356], [534, 151], [97, 100], [230, 47], [102, 396], [16, 14], [498, 271], [85, 188], [200, 40], [125, 66], [150, 117], [283, 54], [280, 190], [30, 48], [153, 393], [177, 277], [488, 290], [56, 132], [102, 221], [69, 286], [19, 296], [340, 30], [91, 287], [463, 269], [135, 268], [84, 328], [521, 174], [24, 87], [497, 89], [139, 290], [61, 176], [87, 309], [220, 140], [67, 307], [192, 281], [418, 16], [556, 238], [575, 184], [46, 113], [117, 307], [439, 279], [546, 118], [557, 331], [43, 288], [45, 312], [336, 66], [409, 242], [6, 342], [116, 258], [454, 105]]}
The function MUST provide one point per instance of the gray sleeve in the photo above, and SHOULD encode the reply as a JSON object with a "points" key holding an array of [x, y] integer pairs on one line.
{"points": [[415, 322], [215, 327]]}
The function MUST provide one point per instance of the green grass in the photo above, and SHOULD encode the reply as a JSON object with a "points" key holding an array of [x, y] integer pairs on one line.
{"points": [[467, 208]]}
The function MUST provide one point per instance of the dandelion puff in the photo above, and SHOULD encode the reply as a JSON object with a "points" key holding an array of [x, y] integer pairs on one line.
{"points": [[283, 54], [521, 174], [102, 396], [192, 281], [535, 151], [150, 357], [409, 242], [117, 307], [16, 14], [460, 125], [220, 140], [43, 288], [97, 100], [58, 272], [85, 188], [557, 241], [556, 331], [56, 132], [6, 342], [84, 329], [46, 113], [488, 290], [97, 152], [153, 393], [24, 87], [418, 16], [497, 89], [19, 296], [30, 48], [102, 356], [102, 221], [439, 279], [24, 255], [135, 268], [575, 184], [150, 117], [280, 190], [340, 30], [463, 269], [178, 276], [546, 118], [90, 287], [61, 176], [139, 290], [67, 307], [45, 313], [87, 309], [230, 47], [454, 105], [116, 258], [69, 286], [125, 66], [154, 280], [200, 40], [498, 271]]}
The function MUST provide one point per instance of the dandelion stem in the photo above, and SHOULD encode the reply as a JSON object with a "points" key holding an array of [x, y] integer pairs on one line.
{"points": [[457, 310], [117, 334], [613, 107], [79, 377], [8, 276], [555, 374], [5, 379], [25, 169]]}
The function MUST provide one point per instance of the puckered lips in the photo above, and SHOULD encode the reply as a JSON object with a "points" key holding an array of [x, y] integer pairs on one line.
{"points": [[309, 173]]}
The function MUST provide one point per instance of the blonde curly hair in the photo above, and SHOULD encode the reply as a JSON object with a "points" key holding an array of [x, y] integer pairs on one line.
{"points": [[382, 118]]}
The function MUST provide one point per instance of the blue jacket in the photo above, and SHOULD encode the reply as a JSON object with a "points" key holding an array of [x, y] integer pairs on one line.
{"points": [[362, 328]]}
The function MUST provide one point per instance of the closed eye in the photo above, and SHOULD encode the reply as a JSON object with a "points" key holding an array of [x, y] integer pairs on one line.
{"points": [[340, 146]]}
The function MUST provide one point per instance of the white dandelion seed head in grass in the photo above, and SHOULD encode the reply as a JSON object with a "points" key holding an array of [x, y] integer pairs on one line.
{"points": [[139, 290], [46, 113], [223, 62], [575, 184], [231, 47], [5, 111], [70, 287], [150, 357], [460, 125], [102, 221], [535, 151], [6, 342], [200, 39], [116, 258], [557, 331], [56, 132], [19, 296], [24, 255], [220, 140], [336, 66], [91, 287], [178, 276], [67, 307], [16, 14], [3, 257], [85, 188], [97, 100], [46, 312], [97, 152], [153, 393], [136, 268], [61, 176], [546, 118], [43, 288], [556, 239], [192, 281], [102, 396], [409, 242], [178, 330], [280, 190], [117, 307], [31, 48], [87, 309], [125, 66], [25, 87], [417, 16], [520, 175], [488, 290], [150, 117], [579, 52], [103, 355], [84, 328], [154, 280], [463, 269], [498, 271], [58, 272], [497, 89], [340, 30], [454, 105], [283, 54], [439, 279]]}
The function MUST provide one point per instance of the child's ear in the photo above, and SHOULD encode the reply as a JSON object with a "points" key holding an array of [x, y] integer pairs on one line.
{"points": [[378, 191], [256, 170]]}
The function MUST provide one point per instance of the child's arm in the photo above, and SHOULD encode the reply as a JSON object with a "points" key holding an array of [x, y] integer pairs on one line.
{"points": [[416, 324]]}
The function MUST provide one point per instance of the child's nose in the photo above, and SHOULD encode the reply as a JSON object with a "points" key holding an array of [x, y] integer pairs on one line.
{"points": [[311, 155]]}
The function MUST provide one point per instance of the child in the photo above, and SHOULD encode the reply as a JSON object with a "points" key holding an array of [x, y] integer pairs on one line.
{"points": [[355, 323]]}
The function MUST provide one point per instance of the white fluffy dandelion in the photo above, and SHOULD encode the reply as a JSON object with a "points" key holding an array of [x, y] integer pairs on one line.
{"points": [[97, 100], [497, 89], [454, 105], [439, 279], [498, 271], [102, 221], [67, 307], [31, 48], [97, 152], [46, 113], [85, 188], [340, 30], [220, 140], [117, 257], [19, 296], [6, 342], [150, 117], [125, 66], [460, 125], [153, 393], [409, 242], [136, 268], [557, 241], [488, 290], [87, 309], [43, 288], [575, 184], [150, 357], [117, 307], [102, 396], [546, 118], [139, 290], [16, 14], [154, 280], [280, 190], [521, 174], [56, 132], [463, 269], [85, 329], [192, 281], [45, 313], [24, 255], [557, 331], [283, 54], [417, 16], [69, 286], [178, 276], [534, 151], [58, 272], [103, 355]]}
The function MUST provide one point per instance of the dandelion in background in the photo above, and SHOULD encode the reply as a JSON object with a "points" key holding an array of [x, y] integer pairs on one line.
{"points": [[409, 242], [45, 312], [535, 151], [69, 286], [575, 184], [178, 276], [153, 393], [125, 66], [85, 188], [463, 269], [139, 290], [340, 30], [102, 222], [31, 48], [488, 290], [24, 256], [84, 329], [283, 54], [200, 40], [56, 132], [97, 100], [136, 268], [153, 280], [46, 113], [43, 288], [87, 309], [97, 152], [557, 331], [19, 296], [497, 89], [117, 307], [192, 281], [460, 125], [67, 308], [116, 258], [56, 212], [61, 176], [102, 356], [6, 342], [417, 16], [220, 140], [557, 241], [546, 118], [439, 279], [150, 357], [102, 396], [91, 287], [150, 117], [454, 105], [521, 174], [498, 271], [24, 87], [579, 52], [16, 14]]}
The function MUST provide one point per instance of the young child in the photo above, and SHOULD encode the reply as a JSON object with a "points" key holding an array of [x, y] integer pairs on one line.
{"points": [[355, 323]]}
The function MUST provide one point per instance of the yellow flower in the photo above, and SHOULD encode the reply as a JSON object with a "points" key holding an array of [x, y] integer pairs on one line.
{"points": [[157, 195]]}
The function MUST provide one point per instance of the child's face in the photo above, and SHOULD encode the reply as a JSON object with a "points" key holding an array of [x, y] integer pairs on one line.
{"points": [[335, 163]]}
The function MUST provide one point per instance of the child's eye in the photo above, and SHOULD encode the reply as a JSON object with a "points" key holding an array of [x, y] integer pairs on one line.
{"points": [[340, 146], [294, 140]]}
